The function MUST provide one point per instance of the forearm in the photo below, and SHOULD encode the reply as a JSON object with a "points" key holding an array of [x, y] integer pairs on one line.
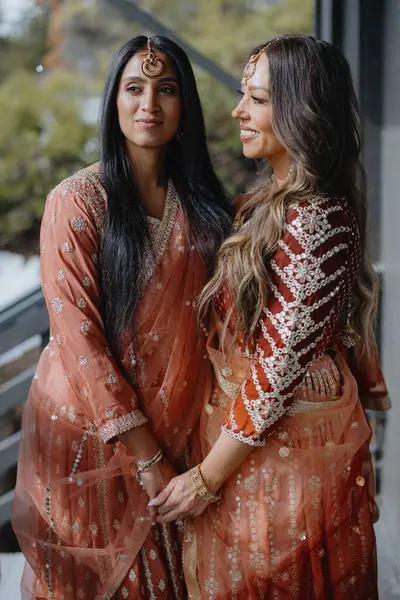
{"points": [[224, 458], [140, 442]]}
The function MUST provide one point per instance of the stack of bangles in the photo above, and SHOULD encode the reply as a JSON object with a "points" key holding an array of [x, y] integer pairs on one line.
{"points": [[196, 477], [144, 465]]}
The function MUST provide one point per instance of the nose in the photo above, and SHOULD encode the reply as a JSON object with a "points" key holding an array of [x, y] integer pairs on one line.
{"points": [[150, 102], [240, 112]]}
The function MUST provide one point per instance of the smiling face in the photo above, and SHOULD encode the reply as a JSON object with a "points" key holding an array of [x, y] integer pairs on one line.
{"points": [[255, 112], [149, 110]]}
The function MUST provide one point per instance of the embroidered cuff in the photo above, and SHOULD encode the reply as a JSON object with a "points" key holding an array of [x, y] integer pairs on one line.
{"points": [[114, 427], [250, 441]]}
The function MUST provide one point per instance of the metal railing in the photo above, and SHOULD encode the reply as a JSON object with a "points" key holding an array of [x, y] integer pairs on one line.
{"points": [[19, 322]]}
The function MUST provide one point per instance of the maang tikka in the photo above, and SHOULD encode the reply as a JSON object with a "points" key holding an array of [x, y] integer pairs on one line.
{"points": [[152, 65], [251, 64]]}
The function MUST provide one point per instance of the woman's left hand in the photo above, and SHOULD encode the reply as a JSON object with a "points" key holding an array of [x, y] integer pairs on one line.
{"points": [[178, 500]]}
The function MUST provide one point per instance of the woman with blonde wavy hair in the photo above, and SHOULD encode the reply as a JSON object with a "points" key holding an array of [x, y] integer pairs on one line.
{"points": [[282, 490]]}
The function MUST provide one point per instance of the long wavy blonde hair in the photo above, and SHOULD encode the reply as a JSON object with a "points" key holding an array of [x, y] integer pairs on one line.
{"points": [[315, 117]]}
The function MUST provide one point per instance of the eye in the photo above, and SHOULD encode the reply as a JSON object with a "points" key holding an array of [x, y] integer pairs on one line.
{"points": [[133, 89], [167, 89], [240, 93], [258, 100]]}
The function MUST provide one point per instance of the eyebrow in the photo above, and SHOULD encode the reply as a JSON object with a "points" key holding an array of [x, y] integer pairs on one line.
{"points": [[258, 87], [142, 80]]}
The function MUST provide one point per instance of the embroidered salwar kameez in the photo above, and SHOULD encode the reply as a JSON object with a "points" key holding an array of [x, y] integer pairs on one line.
{"points": [[295, 522], [80, 515]]}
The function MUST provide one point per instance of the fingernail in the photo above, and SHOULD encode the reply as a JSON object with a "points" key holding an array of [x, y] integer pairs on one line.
{"points": [[153, 523], [152, 502]]}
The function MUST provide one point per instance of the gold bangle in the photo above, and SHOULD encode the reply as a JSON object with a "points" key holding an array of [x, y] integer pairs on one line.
{"points": [[199, 485]]}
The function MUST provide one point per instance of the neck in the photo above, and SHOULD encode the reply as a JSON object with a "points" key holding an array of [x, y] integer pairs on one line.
{"points": [[148, 167], [281, 166]]}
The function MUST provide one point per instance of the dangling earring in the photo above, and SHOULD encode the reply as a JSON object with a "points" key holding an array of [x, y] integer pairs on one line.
{"points": [[179, 137], [290, 172]]}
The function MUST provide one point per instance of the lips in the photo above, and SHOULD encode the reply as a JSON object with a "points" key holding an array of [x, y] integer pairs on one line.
{"points": [[247, 134], [149, 121], [149, 124]]}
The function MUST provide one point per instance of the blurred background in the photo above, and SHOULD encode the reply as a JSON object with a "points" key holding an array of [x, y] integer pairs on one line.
{"points": [[53, 59]]}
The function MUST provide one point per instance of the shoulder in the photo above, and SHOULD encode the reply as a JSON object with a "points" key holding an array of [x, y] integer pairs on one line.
{"points": [[320, 219], [83, 187]]}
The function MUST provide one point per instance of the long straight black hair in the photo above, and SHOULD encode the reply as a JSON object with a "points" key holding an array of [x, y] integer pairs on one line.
{"points": [[188, 164]]}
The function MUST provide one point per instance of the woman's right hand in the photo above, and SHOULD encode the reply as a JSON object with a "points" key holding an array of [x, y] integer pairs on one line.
{"points": [[155, 480]]}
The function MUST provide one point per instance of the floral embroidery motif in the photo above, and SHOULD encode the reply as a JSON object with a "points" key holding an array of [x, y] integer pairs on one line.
{"points": [[57, 305], [60, 275], [113, 379], [78, 224], [86, 282], [85, 327], [83, 361], [314, 483], [82, 303], [67, 248]]}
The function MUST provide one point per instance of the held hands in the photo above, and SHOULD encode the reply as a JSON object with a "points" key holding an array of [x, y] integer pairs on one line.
{"points": [[178, 500], [185, 496], [155, 480]]}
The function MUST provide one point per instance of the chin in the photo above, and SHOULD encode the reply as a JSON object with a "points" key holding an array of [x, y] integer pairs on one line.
{"points": [[253, 153]]}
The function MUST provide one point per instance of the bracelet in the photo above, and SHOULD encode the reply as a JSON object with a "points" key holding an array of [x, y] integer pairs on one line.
{"points": [[201, 488], [143, 465]]}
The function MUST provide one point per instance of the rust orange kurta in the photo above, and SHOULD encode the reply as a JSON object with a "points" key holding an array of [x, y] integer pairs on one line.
{"points": [[79, 514], [295, 521]]}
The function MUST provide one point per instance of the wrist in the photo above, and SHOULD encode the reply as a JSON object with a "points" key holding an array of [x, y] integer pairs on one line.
{"points": [[211, 478]]}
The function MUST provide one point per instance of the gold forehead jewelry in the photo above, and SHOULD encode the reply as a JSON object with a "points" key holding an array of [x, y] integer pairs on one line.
{"points": [[251, 64], [152, 65]]}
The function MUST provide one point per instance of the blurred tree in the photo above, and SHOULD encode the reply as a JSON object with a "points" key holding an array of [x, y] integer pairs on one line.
{"points": [[43, 134], [26, 47], [43, 139]]}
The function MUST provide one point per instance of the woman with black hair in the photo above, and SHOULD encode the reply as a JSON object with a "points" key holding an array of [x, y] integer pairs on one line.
{"points": [[126, 245]]}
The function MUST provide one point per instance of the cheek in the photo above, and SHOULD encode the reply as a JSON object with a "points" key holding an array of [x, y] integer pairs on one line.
{"points": [[122, 107], [175, 112]]}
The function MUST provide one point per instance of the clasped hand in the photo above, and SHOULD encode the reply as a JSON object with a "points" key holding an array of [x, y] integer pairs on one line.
{"points": [[178, 500]]}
